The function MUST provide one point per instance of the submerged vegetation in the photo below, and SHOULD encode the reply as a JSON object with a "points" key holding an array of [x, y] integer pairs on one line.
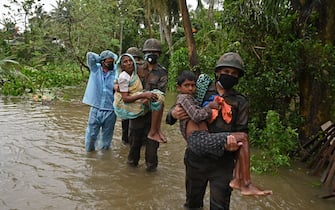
{"points": [[19, 80]]}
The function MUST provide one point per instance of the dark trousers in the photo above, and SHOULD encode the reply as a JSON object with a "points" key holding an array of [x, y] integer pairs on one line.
{"points": [[200, 171], [138, 132], [125, 131]]}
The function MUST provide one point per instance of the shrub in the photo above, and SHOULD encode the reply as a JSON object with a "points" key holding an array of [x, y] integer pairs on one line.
{"points": [[277, 143], [32, 80]]}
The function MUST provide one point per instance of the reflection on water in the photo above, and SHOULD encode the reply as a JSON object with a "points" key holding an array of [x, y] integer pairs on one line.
{"points": [[43, 165]]}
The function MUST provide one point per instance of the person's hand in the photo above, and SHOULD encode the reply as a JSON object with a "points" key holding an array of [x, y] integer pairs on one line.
{"points": [[150, 96], [240, 136], [235, 140], [214, 105], [116, 87], [179, 113], [145, 101]]}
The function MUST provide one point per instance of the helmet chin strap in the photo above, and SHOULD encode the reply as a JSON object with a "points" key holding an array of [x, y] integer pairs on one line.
{"points": [[219, 88], [219, 83]]}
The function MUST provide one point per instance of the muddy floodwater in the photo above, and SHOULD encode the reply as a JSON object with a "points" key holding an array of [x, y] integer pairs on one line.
{"points": [[43, 165]]}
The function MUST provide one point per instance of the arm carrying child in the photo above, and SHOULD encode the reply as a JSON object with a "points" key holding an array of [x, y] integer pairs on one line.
{"points": [[131, 101], [195, 130]]}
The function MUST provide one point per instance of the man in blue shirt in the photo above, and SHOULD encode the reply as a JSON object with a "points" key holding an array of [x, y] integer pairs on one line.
{"points": [[99, 95]]}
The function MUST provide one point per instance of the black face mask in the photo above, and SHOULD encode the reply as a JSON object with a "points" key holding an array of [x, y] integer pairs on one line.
{"points": [[227, 81], [151, 58], [110, 66]]}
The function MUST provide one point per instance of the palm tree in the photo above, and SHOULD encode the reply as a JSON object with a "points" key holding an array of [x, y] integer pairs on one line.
{"points": [[167, 12], [192, 51]]}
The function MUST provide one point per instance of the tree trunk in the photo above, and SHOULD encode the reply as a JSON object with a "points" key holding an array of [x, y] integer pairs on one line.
{"points": [[192, 51], [161, 30], [315, 105], [167, 33], [200, 6], [148, 16], [211, 10], [329, 29]]}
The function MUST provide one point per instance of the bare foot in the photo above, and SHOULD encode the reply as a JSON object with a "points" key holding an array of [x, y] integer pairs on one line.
{"points": [[162, 136], [235, 184], [331, 195], [155, 137], [250, 189]]}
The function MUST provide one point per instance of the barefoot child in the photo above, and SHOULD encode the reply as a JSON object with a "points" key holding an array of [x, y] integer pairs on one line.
{"points": [[131, 102], [194, 129]]}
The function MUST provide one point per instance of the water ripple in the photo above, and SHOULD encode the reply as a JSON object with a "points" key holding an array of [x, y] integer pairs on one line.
{"points": [[43, 165]]}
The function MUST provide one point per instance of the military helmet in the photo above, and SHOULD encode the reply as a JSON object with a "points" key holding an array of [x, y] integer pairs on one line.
{"points": [[231, 59], [152, 45], [135, 52]]}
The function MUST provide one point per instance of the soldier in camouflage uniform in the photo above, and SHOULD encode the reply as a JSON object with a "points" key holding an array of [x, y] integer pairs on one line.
{"points": [[155, 78]]}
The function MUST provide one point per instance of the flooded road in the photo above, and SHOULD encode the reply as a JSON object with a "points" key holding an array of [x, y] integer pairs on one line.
{"points": [[43, 165]]}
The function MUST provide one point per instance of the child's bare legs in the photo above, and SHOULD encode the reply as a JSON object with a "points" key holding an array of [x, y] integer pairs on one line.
{"points": [[155, 132], [160, 120], [242, 179], [235, 183]]}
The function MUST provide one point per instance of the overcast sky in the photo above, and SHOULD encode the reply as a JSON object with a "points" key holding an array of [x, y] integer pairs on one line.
{"points": [[48, 5]]}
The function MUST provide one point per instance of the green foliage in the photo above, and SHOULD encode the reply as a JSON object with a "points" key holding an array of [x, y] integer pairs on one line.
{"points": [[178, 63], [321, 61], [32, 80], [5, 68], [10, 77], [271, 78], [277, 142]]}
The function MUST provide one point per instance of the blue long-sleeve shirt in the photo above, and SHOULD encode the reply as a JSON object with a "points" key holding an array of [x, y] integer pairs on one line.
{"points": [[99, 89]]}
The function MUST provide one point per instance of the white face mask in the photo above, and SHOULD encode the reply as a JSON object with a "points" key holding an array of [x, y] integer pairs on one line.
{"points": [[151, 58]]}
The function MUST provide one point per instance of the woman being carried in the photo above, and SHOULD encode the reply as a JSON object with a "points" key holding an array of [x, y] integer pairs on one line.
{"points": [[131, 102]]}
